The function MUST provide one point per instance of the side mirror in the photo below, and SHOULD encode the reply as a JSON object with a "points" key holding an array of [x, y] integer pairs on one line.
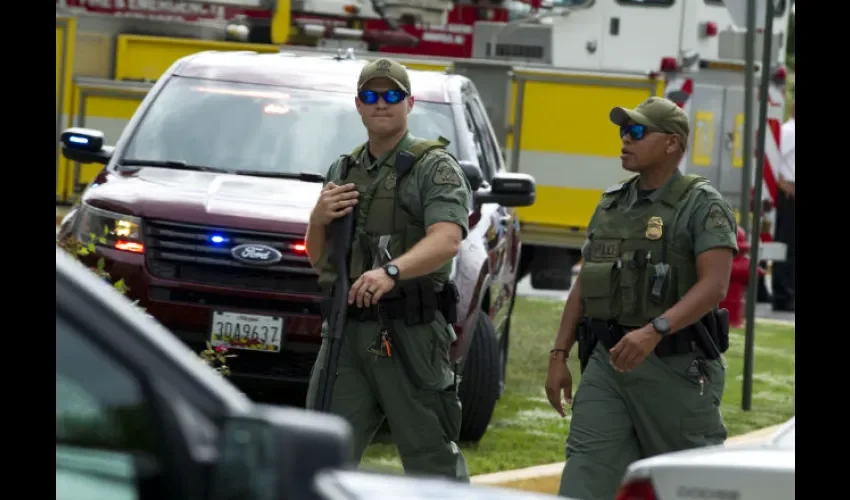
{"points": [[472, 173], [278, 450], [509, 190], [85, 145]]}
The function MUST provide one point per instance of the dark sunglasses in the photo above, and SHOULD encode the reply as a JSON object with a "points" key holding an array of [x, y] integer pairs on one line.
{"points": [[394, 96], [636, 131]]}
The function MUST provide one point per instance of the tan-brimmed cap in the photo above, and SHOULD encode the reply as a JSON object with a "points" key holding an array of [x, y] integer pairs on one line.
{"points": [[657, 113], [384, 68]]}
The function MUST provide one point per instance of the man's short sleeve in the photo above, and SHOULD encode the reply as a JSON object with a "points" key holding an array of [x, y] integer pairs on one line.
{"points": [[712, 223], [330, 176], [446, 194]]}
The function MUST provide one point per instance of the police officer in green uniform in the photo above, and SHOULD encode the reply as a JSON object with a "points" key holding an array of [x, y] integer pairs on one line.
{"points": [[657, 261], [411, 201]]}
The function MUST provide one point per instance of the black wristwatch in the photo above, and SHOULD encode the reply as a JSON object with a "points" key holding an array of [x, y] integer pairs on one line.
{"points": [[661, 325], [392, 271]]}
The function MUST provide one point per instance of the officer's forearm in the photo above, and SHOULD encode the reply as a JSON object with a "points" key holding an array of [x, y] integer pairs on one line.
{"points": [[315, 242], [570, 318], [429, 254], [699, 301]]}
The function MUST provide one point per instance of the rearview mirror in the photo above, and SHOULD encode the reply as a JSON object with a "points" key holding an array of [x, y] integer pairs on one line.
{"points": [[85, 145], [509, 190], [472, 173], [278, 450]]}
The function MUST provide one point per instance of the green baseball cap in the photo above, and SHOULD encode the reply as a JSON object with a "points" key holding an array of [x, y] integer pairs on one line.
{"points": [[657, 113], [385, 68]]}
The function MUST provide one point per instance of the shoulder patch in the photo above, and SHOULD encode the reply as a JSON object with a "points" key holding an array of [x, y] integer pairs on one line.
{"points": [[718, 219], [446, 174]]}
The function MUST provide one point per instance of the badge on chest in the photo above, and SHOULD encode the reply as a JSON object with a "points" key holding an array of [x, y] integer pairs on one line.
{"points": [[654, 228]]}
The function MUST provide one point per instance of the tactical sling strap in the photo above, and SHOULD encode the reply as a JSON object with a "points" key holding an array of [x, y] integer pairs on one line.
{"points": [[405, 160], [404, 163], [677, 193]]}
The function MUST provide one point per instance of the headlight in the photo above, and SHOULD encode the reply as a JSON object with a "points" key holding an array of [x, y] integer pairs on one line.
{"points": [[110, 229]]}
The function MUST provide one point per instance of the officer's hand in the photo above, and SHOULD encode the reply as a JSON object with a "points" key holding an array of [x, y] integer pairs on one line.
{"points": [[334, 202], [559, 380], [369, 288], [633, 348]]}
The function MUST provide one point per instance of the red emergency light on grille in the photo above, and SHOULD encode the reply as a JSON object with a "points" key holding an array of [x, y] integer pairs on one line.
{"points": [[638, 489], [299, 247]]}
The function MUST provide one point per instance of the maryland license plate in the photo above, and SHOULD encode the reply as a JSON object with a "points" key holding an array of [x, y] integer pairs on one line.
{"points": [[250, 332]]}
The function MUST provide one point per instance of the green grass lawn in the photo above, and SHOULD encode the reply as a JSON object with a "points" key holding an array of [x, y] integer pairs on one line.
{"points": [[526, 431]]}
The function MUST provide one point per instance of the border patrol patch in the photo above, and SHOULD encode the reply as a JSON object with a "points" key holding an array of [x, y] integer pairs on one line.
{"points": [[717, 219], [654, 228], [445, 174], [383, 65], [389, 182]]}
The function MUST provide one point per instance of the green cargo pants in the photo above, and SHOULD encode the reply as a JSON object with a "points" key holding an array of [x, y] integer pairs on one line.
{"points": [[414, 389], [618, 418]]}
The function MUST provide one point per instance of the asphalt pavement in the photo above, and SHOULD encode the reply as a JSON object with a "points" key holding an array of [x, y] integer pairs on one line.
{"points": [[763, 311]]}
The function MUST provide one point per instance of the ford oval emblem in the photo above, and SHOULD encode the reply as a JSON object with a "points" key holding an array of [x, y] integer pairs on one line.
{"points": [[253, 253]]}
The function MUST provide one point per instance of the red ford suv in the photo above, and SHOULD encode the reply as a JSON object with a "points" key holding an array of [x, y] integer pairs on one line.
{"points": [[207, 194]]}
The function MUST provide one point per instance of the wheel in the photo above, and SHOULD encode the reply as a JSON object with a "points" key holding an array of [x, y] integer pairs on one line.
{"points": [[552, 268], [481, 381]]}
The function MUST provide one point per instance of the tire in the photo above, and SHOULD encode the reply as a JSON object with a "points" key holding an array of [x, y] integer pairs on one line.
{"points": [[552, 268], [481, 381]]}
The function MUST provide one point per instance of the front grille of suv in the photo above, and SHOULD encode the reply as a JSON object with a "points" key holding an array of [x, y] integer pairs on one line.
{"points": [[185, 252]]}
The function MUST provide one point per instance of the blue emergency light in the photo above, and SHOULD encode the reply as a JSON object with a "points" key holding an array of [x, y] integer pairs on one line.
{"points": [[82, 138], [217, 239]]}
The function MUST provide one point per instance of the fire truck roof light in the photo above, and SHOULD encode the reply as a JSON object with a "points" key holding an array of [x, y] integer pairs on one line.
{"points": [[351, 9], [669, 64], [780, 74]]}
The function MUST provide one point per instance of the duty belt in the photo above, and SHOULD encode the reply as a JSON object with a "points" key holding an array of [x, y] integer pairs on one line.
{"points": [[610, 332]]}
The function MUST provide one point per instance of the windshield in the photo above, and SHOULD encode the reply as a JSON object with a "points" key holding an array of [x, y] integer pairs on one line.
{"points": [[237, 126]]}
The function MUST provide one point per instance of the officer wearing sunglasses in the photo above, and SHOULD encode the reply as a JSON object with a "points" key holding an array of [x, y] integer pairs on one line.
{"points": [[657, 260], [411, 200]]}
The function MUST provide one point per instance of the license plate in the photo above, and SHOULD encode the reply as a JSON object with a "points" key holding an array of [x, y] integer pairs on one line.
{"points": [[250, 332]]}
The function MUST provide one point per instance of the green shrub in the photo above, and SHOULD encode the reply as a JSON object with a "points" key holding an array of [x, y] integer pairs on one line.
{"points": [[84, 251]]}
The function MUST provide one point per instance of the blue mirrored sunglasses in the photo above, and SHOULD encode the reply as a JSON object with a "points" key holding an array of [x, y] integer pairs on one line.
{"points": [[394, 96], [635, 131]]}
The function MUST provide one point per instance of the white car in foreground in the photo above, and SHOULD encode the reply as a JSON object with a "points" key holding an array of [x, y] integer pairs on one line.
{"points": [[762, 471]]}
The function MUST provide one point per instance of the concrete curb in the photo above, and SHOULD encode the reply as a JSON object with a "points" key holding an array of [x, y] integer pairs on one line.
{"points": [[547, 478]]}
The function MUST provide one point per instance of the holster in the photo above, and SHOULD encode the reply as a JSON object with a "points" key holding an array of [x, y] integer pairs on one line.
{"points": [[586, 343], [722, 316], [413, 301], [712, 333], [447, 300]]}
